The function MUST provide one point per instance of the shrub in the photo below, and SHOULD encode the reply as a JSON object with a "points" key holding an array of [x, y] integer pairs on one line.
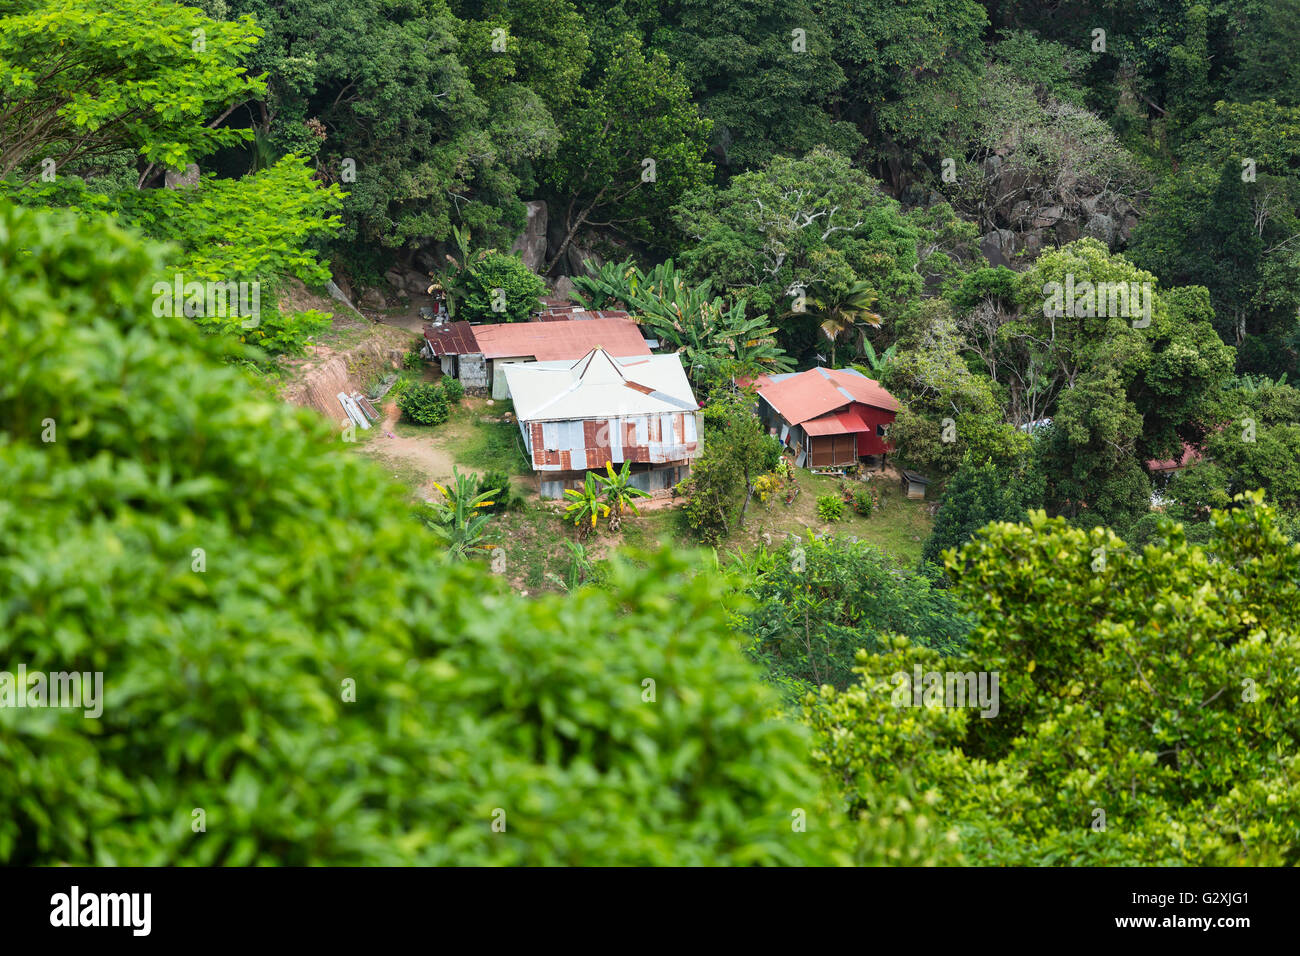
{"points": [[765, 485], [772, 451], [506, 497], [522, 290], [830, 508], [453, 389], [863, 501], [228, 684], [424, 404]]}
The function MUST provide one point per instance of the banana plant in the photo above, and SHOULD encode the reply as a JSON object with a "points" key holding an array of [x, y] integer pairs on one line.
{"points": [[586, 506], [460, 517], [618, 490], [708, 332], [611, 284], [876, 364], [447, 278]]}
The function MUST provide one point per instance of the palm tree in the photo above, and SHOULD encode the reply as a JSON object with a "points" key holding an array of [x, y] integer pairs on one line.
{"points": [[840, 309]]}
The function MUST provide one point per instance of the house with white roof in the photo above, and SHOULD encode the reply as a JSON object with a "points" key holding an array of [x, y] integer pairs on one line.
{"points": [[575, 416]]}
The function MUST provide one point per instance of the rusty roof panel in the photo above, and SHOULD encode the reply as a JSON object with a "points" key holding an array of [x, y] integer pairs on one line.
{"points": [[452, 338]]}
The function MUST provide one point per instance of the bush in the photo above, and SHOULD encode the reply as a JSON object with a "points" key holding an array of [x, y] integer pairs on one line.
{"points": [[864, 502], [522, 290], [821, 601], [506, 498], [282, 647], [830, 507], [453, 389], [424, 404], [772, 451]]}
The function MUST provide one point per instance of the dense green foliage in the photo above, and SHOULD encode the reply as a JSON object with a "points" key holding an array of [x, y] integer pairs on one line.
{"points": [[498, 288], [818, 602], [84, 84], [424, 403], [978, 495], [736, 452], [1147, 707], [1068, 260], [339, 696]]}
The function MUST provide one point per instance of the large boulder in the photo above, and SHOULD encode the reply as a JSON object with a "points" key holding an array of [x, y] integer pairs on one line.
{"points": [[564, 288], [577, 255], [531, 244], [1048, 216], [176, 179], [426, 259], [1031, 243], [998, 246], [405, 279], [372, 299], [1101, 227]]}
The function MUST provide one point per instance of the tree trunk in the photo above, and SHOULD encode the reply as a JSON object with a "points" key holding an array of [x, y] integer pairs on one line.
{"points": [[577, 224], [749, 493]]}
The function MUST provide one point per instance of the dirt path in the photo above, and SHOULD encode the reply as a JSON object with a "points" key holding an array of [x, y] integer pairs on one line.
{"points": [[432, 464]]}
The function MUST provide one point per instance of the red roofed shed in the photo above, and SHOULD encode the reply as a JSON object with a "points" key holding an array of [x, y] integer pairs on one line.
{"points": [[827, 417]]}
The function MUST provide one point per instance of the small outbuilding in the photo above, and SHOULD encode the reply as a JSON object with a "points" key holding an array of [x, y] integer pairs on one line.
{"points": [[828, 418], [476, 354], [915, 483]]}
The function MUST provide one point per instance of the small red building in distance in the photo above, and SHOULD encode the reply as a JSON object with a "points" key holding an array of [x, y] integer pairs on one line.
{"points": [[827, 417]]}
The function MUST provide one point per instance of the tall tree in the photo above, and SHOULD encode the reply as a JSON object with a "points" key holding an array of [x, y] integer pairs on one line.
{"points": [[81, 81], [633, 145], [763, 74]]}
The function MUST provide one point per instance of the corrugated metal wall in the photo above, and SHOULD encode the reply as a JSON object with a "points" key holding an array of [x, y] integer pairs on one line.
{"points": [[577, 445], [652, 479], [473, 370]]}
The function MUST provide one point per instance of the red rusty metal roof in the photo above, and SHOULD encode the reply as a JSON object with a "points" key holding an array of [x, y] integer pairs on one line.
{"points": [[845, 422], [820, 390], [557, 310], [1190, 454], [452, 338], [557, 341]]}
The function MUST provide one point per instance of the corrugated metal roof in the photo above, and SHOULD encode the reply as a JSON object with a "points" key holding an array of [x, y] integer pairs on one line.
{"points": [[817, 391], [557, 341], [846, 422], [599, 385], [452, 338], [565, 311]]}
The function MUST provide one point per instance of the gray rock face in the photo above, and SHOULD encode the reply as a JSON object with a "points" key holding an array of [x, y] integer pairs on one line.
{"points": [[531, 244], [407, 280], [176, 179], [564, 287], [998, 246], [372, 299], [1048, 216], [577, 255], [1101, 227]]}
